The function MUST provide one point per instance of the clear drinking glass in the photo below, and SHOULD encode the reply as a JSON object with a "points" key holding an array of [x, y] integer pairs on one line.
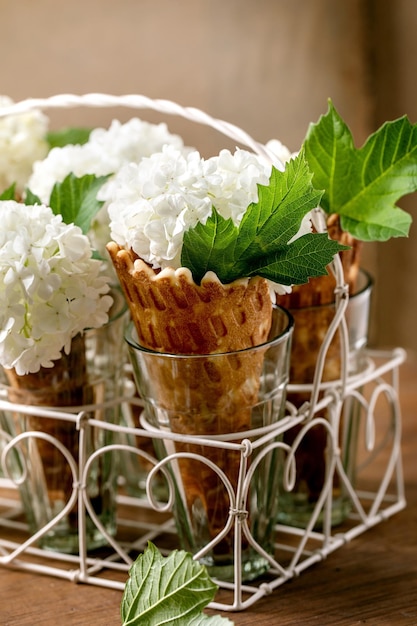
{"points": [[310, 327], [88, 379], [225, 397]]}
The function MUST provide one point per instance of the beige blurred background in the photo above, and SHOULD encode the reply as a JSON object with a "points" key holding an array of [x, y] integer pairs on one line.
{"points": [[268, 66]]}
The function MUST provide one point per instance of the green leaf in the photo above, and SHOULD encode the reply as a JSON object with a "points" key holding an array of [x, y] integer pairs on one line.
{"points": [[210, 246], [9, 193], [294, 264], [169, 590], [362, 185], [263, 245], [31, 199], [65, 136], [76, 199], [276, 218], [281, 206]]}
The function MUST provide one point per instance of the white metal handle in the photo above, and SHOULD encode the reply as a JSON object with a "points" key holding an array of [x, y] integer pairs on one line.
{"points": [[136, 101]]}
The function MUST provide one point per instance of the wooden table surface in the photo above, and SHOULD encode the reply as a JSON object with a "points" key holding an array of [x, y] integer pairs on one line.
{"points": [[372, 580]]}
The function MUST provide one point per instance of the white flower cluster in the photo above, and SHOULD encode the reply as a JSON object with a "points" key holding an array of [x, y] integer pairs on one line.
{"points": [[22, 142], [50, 287], [280, 151], [105, 152], [152, 203]]}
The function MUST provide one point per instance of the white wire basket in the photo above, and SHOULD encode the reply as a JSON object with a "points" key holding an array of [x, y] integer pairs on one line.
{"points": [[373, 389]]}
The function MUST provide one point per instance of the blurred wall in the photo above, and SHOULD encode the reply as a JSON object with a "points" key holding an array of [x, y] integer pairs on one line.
{"points": [[394, 91], [268, 66]]}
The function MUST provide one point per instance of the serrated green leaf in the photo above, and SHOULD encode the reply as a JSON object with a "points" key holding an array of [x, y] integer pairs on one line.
{"points": [[9, 193], [76, 199], [294, 264], [362, 185], [276, 218], [210, 246], [263, 243], [169, 590], [65, 136], [380, 228], [281, 206]]}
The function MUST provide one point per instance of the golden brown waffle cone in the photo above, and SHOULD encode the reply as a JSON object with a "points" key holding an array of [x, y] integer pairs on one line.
{"points": [[172, 314], [63, 385]]}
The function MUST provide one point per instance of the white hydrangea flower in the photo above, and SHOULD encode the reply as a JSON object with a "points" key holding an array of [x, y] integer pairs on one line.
{"points": [[280, 151], [152, 203], [51, 288], [233, 181], [22, 142], [106, 151]]}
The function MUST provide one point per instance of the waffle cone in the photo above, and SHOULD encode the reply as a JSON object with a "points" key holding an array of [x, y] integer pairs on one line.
{"points": [[213, 395], [173, 314]]}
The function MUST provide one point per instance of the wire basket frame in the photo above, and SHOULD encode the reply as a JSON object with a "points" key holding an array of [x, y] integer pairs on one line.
{"points": [[296, 549]]}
